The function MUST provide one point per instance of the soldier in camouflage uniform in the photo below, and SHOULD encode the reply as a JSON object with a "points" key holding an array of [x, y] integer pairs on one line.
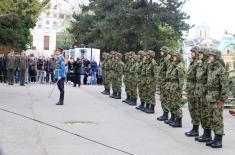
{"points": [[200, 94], [190, 88], [217, 94], [112, 77], [104, 66], [126, 79], [166, 87], [117, 77], [177, 82], [142, 62], [164, 61], [149, 81], [134, 79]]}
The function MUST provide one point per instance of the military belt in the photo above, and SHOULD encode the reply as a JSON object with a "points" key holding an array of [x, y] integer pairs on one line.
{"points": [[174, 81], [191, 81], [214, 89]]}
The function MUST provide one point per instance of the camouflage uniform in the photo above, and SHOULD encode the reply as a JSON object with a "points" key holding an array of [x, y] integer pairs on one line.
{"points": [[177, 82], [112, 77], [149, 81], [200, 94], [117, 76], [127, 78], [162, 69], [217, 94], [166, 87], [190, 89], [105, 67], [141, 84], [134, 80]]}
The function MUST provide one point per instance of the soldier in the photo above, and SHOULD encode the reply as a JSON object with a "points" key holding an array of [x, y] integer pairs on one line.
{"points": [[22, 68], [134, 80], [176, 88], [126, 79], [142, 62], [166, 87], [164, 61], [190, 88], [10, 64], [112, 72], [59, 74], [150, 75], [3, 70], [200, 95], [117, 78], [217, 94], [104, 66]]}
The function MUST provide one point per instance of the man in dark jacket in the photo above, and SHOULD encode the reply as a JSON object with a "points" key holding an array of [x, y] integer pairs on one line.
{"points": [[77, 74], [11, 67], [3, 69], [22, 68]]}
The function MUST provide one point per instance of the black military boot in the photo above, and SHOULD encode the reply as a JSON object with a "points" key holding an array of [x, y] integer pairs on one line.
{"points": [[163, 117], [172, 119], [177, 123], [206, 137], [141, 106], [218, 142], [127, 100], [194, 132], [133, 101], [103, 92], [147, 106], [113, 95], [60, 103], [151, 109], [118, 96], [212, 141], [107, 92]]}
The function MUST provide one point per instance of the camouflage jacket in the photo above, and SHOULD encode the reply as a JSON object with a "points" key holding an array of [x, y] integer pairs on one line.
{"points": [[162, 69], [191, 76], [134, 71], [126, 71], [217, 82], [201, 78], [177, 76], [118, 69], [149, 72]]}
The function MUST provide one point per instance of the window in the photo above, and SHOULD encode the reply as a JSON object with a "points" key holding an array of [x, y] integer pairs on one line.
{"points": [[47, 22], [61, 16], [39, 26], [54, 15], [55, 7], [48, 14], [68, 17], [54, 24], [46, 42]]}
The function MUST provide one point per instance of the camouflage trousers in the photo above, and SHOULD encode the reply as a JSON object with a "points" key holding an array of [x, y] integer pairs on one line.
{"points": [[204, 112], [194, 108], [127, 84], [163, 99], [149, 90], [216, 114], [216, 122], [133, 88], [117, 84], [141, 91], [106, 81], [176, 100], [167, 96]]}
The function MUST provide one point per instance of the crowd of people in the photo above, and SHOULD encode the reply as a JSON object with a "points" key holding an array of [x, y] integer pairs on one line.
{"points": [[19, 68], [206, 87]]}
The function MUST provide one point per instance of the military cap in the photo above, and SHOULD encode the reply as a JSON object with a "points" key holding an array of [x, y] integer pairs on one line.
{"points": [[151, 53], [119, 55], [204, 51], [195, 49], [165, 49], [178, 55], [141, 52], [215, 53]]}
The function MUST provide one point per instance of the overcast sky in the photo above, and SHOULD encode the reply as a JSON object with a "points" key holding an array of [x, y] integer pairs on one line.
{"points": [[218, 14]]}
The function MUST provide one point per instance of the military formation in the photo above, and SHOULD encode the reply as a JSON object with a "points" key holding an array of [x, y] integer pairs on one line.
{"points": [[9, 64], [205, 82]]}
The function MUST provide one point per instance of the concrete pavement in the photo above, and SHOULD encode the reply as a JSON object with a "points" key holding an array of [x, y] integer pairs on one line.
{"points": [[89, 113]]}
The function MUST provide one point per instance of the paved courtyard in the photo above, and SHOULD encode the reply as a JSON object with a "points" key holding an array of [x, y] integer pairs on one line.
{"points": [[92, 115]]}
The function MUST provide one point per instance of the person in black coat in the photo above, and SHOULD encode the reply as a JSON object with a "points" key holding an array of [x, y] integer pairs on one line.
{"points": [[77, 74]]}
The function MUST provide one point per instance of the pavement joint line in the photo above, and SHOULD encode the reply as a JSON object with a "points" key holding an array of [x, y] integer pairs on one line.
{"points": [[58, 128]]}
